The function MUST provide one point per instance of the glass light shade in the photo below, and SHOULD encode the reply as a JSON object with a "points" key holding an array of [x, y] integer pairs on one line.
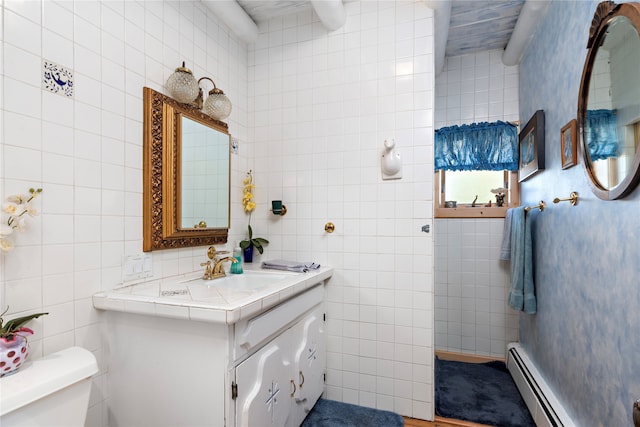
{"points": [[182, 86], [217, 105]]}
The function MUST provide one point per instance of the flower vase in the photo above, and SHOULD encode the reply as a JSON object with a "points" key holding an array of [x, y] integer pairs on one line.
{"points": [[248, 253], [12, 354]]}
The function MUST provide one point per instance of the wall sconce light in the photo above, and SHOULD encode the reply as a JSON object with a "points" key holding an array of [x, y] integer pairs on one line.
{"points": [[184, 87], [278, 208], [217, 105]]}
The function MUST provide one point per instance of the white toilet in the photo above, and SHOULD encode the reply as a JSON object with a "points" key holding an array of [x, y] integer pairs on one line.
{"points": [[51, 391]]}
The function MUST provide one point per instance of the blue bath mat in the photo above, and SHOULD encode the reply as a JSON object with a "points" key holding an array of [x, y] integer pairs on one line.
{"points": [[329, 413], [479, 392]]}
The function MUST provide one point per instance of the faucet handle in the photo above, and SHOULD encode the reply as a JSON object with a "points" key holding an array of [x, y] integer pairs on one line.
{"points": [[212, 253], [207, 270]]}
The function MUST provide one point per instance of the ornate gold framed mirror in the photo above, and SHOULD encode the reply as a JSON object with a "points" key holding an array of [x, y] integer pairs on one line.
{"points": [[609, 101], [186, 173]]}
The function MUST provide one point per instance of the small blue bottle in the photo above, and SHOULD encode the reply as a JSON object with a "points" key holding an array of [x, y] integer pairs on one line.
{"points": [[236, 267]]}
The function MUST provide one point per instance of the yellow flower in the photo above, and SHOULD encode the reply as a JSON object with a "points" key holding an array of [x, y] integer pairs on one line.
{"points": [[249, 207], [247, 195]]}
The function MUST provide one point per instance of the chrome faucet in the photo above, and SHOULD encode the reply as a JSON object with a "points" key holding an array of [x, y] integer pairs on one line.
{"points": [[214, 268]]}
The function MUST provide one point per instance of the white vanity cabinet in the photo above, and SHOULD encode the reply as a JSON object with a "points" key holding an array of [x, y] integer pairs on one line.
{"points": [[281, 382], [310, 363], [252, 367]]}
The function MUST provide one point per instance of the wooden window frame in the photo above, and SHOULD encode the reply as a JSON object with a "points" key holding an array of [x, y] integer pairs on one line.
{"points": [[466, 211]]}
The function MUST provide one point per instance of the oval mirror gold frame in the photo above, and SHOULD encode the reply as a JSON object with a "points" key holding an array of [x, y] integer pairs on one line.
{"points": [[606, 14], [162, 175]]}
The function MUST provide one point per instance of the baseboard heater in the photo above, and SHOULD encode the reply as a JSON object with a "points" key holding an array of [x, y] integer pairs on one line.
{"points": [[545, 408]]}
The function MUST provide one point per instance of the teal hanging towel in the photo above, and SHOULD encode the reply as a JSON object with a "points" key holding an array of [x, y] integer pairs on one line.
{"points": [[522, 293]]}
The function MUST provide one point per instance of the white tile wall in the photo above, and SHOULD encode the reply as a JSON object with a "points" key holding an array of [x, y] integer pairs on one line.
{"points": [[86, 151], [471, 284], [321, 106], [476, 88], [472, 315]]}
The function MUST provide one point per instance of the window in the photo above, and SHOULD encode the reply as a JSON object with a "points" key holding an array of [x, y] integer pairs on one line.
{"points": [[463, 186], [470, 162]]}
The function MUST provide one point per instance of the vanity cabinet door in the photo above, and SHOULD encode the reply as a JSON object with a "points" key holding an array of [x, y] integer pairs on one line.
{"points": [[280, 383], [264, 386], [308, 364]]}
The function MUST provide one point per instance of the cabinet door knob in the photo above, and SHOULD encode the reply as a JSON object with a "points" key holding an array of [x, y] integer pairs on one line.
{"points": [[293, 383], [301, 379]]}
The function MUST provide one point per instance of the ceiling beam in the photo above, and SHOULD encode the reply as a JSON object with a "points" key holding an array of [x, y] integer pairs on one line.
{"points": [[234, 16], [330, 12], [530, 15], [441, 17]]}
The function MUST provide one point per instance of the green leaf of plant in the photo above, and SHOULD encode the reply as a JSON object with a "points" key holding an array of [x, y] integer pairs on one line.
{"points": [[15, 324], [1, 317], [257, 245], [250, 232], [244, 244], [262, 241]]}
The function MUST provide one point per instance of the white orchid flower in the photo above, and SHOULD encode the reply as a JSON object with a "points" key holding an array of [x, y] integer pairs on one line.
{"points": [[11, 208], [5, 245], [20, 224], [5, 230], [16, 206], [31, 211]]}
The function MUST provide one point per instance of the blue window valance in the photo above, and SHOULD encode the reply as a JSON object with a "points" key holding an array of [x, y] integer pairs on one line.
{"points": [[478, 146], [601, 134]]}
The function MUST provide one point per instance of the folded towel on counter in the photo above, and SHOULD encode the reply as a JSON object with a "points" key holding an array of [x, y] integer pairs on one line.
{"points": [[300, 267], [505, 249], [522, 293]]}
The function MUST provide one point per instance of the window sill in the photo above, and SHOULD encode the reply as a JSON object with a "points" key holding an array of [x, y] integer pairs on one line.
{"points": [[469, 212]]}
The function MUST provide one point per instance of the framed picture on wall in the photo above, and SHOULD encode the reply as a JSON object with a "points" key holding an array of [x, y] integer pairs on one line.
{"points": [[531, 147], [568, 148]]}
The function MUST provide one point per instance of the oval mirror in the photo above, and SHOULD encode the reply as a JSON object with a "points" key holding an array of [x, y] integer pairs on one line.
{"points": [[609, 101], [186, 170]]}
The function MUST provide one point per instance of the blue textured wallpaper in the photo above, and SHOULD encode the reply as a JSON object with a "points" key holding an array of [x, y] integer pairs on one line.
{"points": [[584, 337]]}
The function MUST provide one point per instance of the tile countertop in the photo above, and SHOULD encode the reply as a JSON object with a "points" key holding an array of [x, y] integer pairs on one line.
{"points": [[218, 301]]}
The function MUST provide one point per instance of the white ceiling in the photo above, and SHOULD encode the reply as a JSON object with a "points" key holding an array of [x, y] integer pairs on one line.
{"points": [[475, 25], [479, 25]]}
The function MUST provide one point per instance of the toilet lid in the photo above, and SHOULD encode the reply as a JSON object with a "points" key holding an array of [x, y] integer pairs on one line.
{"points": [[41, 377]]}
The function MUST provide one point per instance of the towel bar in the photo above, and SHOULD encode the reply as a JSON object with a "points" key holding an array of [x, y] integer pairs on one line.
{"points": [[540, 206]]}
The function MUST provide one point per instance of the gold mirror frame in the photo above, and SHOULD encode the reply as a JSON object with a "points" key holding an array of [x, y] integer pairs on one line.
{"points": [[162, 175], [605, 13]]}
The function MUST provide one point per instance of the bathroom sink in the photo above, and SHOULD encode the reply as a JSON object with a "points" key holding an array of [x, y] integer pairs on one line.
{"points": [[249, 280]]}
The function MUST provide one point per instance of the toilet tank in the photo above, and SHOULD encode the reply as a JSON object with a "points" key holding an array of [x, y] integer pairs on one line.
{"points": [[51, 391]]}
